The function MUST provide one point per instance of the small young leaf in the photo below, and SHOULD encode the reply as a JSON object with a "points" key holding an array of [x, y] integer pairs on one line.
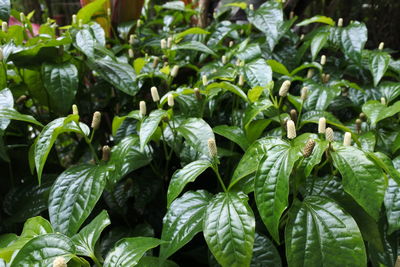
{"points": [[149, 126]]}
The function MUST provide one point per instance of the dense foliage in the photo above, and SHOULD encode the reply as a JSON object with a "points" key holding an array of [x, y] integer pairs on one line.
{"points": [[233, 145]]}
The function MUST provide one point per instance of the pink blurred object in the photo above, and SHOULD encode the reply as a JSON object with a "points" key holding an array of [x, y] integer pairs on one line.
{"points": [[35, 27]]}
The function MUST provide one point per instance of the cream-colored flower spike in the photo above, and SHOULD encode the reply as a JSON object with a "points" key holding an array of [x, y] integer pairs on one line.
{"points": [[340, 22], [155, 61], [174, 71], [142, 108], [251, 7], [323, 60], [197, 93], [241, 80], [329, 136], [291, 129], [347, 139], [109, 12], [212, 147], [230, 43], [284, 88], [321, 125], [223, 59], [163, 44], [74, 19], [381, 46], [4, 26], [171, 101], [130, 53], [169, 42], [154, 94], [75, 110], [309, 147], [106, 153], [304, 93], [59, 262], [310, 73], [204, 79], [383, 100], [22, 17], [96, 120], [131, 39]]}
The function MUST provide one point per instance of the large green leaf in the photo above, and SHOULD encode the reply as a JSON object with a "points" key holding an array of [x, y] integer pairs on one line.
{"points": [[228, 87], [320, 96], [320, 233], [258, 72], [392, 205], [233, 133], [268, 18], [318, 42], [354, 37], [148, 261], [194, 30], [86, 12], [377, 111], [184, 219], [265, 253], [5, 8], [85, 41], [228, 228], [271, 185], [6, 101], [389, 90], [128, 251], [315, 19], [197, 132], [183, 176], [11, 114], [149, 126], [361, 178], [194, 45], [120, 75], [86, 239], [61, 82], [378, 64], [74, 195], [43, 249]]}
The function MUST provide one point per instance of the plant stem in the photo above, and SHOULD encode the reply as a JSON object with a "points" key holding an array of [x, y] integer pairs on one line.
{"points": [[215, 168]]}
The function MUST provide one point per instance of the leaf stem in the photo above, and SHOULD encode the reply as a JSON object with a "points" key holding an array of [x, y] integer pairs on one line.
{"points": [[215, 169]]}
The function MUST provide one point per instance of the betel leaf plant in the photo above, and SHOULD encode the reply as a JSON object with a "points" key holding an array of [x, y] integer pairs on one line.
{"points": [[160, 143]]}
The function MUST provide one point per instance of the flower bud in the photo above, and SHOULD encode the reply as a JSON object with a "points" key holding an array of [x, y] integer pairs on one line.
{"points": [[75, 110], [238, 62], [291, 129], [21, 99], [326, 77], [169, 42], [204, 79], [4, 26], [22, 17], [381, 46], [223, 59], [1, 54], [291, 14], [308, 148], [321, 125], [142, 108], [96, 120], [130, 53], [155, 62], [310, 73], [174, 71], [358, 125], [212, 147], [302, 37], [163, 44], [340, 22], [323, 60], [171, 100], [154, 94], [329, 134], [230, 43], [293, 115], [241, 80], [197, 93], [383, 100], [106, 153], [304, 93], [251, 7], [59, 262], [74, 19], [131, 39], [138, 23], [362, 116], [347, 139], [284, 88], [80, 23], [108, 12]]}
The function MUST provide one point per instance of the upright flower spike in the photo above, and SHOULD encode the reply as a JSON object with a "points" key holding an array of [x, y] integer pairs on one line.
{"points": [[223, 59], [358, 125], [74, 19], [284, 88], [80, 23], [155, 62], [347, 139], [383, 100], [59, 262], [291, 14], [362, 116], [212, 147], [163, 44], [109, 12], [329, 136], [326, 77], [75, 110], [291, 129], [308, 148], [22, 17], [131, 39], [197, 93], [169, 42], [171, 101], [321, 125], [323, 60], [301, 37], [4, 26], [21, 99], [106, 153], [340, 22], [142, 108], [174, 71], [138, 23], [96, 120], [130, 53], [304, 93], [204, 80], [293, 115], [241, 80], [230, 44], [381, 46], [310, 73], [154, 94], [251, 7]]}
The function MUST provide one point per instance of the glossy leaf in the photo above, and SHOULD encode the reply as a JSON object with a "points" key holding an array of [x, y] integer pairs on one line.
{"points": [[315, 19], [85, 41], [392, 205], [378, 64], [184, 219], [74, 195], [149, 126], [128, 251], [228, 87], [320, 232], [354, 37], [271, 185], [194, 45], [6, 101], [318, 42], [5, 8], [258, 72], [376, 111], [12, 114], [278, 67], [265, 253], [233, 133], [228, 228], [194, 30], [183, 176], [86, 12]]}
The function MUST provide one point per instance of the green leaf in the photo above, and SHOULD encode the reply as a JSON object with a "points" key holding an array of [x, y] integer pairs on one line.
{"points": [[320, 96], [12, 114], [86, 12], [183, 176], [85, 42], [197, 132], [248, 52], [390, 90], [5, 8], [233, 133], [175, 5], [6, 101], [184, 219], [317, 19], [138, 64], [361, 178], [194, 45], [278, 67], [378, 64], [320, 232], [254, 93], [271, 185], [229, 87], [74, 195], [268, 18], [318, 42], [265, 253], [258, 72], [392, 205], [49, 135], [253, 110], [149, 126], [120, 75], [353, 38], [228, 228], [376, 111], [43, 249], [148, 261], [61, 82], [194, 30], [86, 239], [128, 251]]}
